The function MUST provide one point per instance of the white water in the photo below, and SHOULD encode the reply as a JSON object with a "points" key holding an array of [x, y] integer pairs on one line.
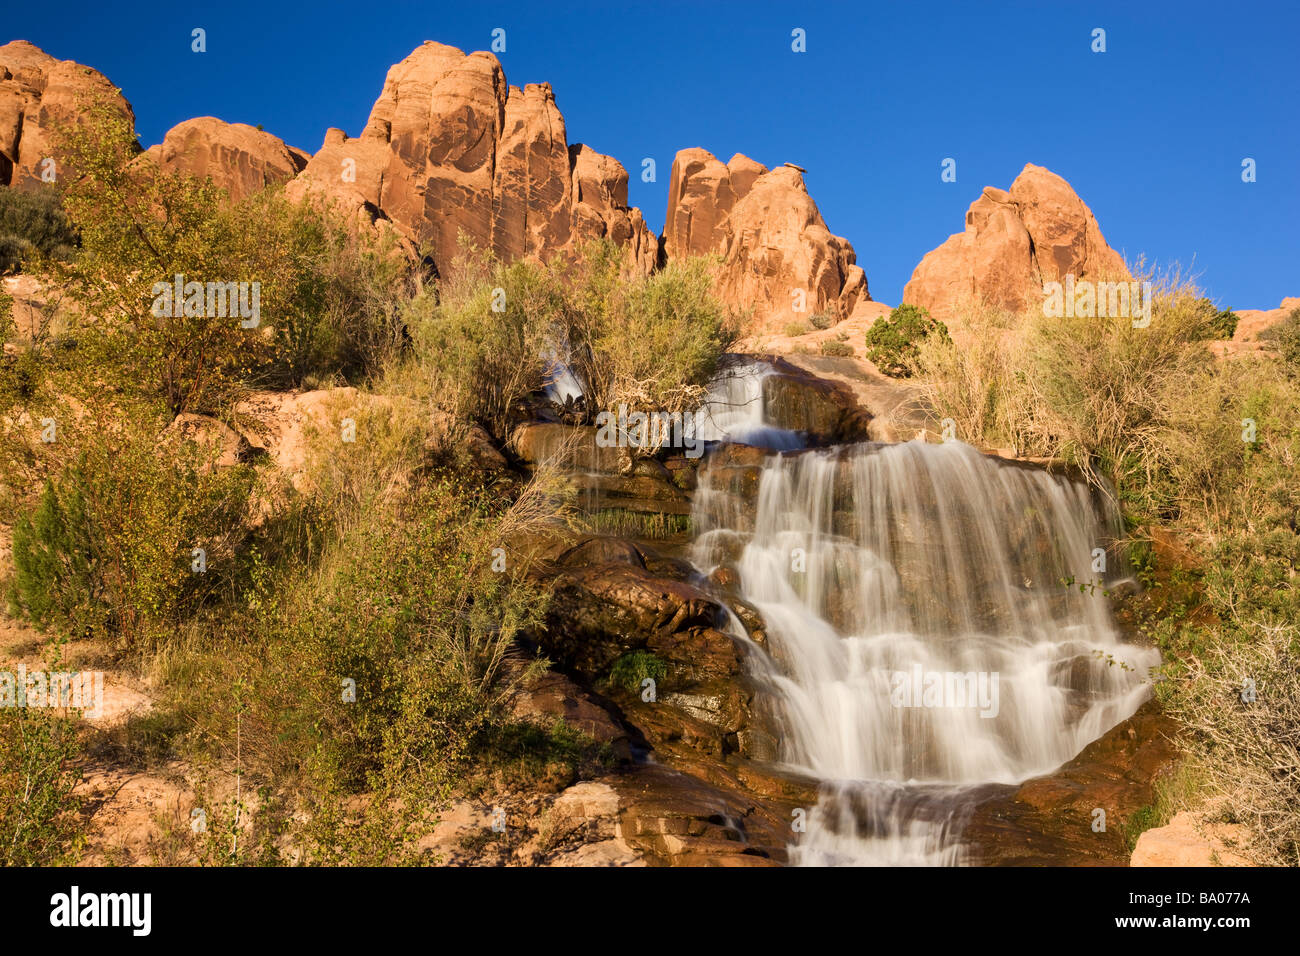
{"points": [[932, 557], [733, 411]]}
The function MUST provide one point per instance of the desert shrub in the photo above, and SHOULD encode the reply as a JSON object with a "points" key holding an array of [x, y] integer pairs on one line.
{"points": [[482, 337], [328, 291], [830, 347], [39, 822], [893, 343], [1240, 701], [484, 342], [405, 608], [21, 371], [33, 225], [334, 291], [981, 386], [650, 342], [1219, 323], [796, 329], [1103, 387], [821, 320], [109, 542]]}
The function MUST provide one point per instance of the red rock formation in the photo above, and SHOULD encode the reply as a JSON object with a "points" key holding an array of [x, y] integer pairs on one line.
{"points": [[1251, 322], [1014, 242], [239, 158], [451, 149], [37, 93], [772, 239]]}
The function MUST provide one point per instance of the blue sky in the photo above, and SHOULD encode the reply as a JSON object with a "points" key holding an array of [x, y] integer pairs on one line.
{"points": [[1151, 133]]}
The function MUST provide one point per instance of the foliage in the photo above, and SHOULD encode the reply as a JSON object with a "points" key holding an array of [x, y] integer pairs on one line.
{"points": [[1285, 338], [39, 823], [649, 342], [108, 545], [33, 226], [634, 667], [893, 343], [328, 292]]}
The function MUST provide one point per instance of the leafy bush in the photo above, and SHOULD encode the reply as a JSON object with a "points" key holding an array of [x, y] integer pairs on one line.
{"points": [[830, 347], [893, 343], [108, 544], [821, 320], [404, 608], [32, 225], [39, 822], [650, 342], [329, 292], [632, 668], [1219, 323], [483, 336], [796, 329]]}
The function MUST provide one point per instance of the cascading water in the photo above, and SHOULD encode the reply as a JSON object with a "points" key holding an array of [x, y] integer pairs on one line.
{"points": [[734, 411], [927, 631]]}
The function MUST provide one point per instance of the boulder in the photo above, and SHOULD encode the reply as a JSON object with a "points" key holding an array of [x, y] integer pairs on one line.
{"points": [[826, 411], [601, 612], [236, 157], [1188, 841], [37, 94], [1014, 241], [773, 241]]}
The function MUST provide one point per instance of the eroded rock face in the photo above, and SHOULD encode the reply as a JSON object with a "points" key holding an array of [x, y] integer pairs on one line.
{"points": [[38, 93], [450, 149], [774, 244], [1014, 241], [239, 158]]}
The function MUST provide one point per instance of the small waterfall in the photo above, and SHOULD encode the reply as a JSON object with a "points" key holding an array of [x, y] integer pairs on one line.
{"points": [[927, 630], [734, 411]]}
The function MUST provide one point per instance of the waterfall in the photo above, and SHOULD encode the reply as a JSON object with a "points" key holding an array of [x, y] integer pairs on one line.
{"points": [[734, 410], [934, 624]]}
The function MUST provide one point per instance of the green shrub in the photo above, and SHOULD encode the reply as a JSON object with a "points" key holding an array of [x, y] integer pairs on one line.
{"points": [[632, 668], [821, 320], [487, 336], [33, 225], [404, 605], [39, 821], [893, 342], [483, 335], [650, 342], [108, 544], [796, 329], [329, 291], [1219, 323]]}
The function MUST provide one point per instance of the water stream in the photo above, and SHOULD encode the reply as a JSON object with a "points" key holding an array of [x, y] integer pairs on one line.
{"points": [[927, 633]]}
